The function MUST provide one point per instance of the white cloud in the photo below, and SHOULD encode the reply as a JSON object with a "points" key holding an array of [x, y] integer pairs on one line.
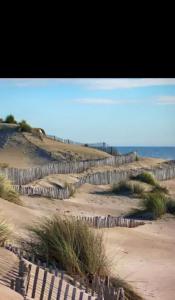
{"points": [[112, 84], [103, 101], [93, 83], [166, 100]]}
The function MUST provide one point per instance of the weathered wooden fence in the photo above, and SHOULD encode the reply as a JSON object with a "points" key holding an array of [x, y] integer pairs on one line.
{"points": [[110, 221], [49, 192], [162, 172], [65, 141], [43, 282], [24, 176]]}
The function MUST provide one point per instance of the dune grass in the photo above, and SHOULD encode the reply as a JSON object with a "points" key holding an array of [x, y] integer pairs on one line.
{"points": [[155, 202], [146, 177], [125, 187], [4, 232], [72, 245], [7, 191], [130, 293], [160, 189]]}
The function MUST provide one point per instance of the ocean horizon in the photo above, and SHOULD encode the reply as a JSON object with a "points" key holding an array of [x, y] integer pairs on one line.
{"points": [[167, 152]]}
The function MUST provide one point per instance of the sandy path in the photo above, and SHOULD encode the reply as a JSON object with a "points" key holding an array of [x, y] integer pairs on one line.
{"points": [[144, 257]]}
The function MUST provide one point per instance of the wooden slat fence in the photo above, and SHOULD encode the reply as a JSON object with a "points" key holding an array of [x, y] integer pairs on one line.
{"points": [[24, 176], [65, 141], [110, 221], [42, 282], [49, 192], [162, 172]]}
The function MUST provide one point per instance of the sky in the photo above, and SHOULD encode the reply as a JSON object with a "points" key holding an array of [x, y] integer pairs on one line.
{"points": [[121, 112]]}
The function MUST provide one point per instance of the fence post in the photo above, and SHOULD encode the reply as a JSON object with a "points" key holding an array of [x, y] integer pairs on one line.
{"points": [[59, 289], [28, 279], [74, 293], [66, 296]]}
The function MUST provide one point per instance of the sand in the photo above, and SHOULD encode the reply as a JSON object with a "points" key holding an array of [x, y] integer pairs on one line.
{"points": [[8, 268], [143, 256]]}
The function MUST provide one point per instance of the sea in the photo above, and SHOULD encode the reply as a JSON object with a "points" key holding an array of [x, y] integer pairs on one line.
{"points": [[157, 152]]}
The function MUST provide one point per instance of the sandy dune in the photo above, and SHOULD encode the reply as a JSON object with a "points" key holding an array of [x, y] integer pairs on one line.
{"points": [[22, 150], [143, 256]]}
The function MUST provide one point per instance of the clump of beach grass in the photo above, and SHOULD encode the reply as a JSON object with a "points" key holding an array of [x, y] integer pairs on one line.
{"points": [[155, 203], [130, 293], [146, 177], [160, 189], [24, 126], [7, 191], [125, 187], [69, 243], [5, 232]]}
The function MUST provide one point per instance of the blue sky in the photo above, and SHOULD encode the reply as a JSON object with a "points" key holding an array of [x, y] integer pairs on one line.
{"points": [[121, 112]]}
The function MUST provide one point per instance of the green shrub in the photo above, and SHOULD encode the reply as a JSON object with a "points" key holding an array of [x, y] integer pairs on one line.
{"points": [[10, 119], [4, 232], [7, 191], [127, 187], [155, 202], [170, 206], [146, 177], [71, 244], [24, 126]]}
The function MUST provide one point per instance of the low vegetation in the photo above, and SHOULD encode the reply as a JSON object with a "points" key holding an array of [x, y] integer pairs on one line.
{"points": [[4, 232], [155, 202], [146, 177], [130, 293], [125, 187], [24, 126], [160, 189], [7, 191], [72, 245], [10, 119]]}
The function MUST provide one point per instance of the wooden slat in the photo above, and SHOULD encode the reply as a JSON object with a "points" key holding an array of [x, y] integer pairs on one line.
{"points": [[51, 287], [59, 289], [35, 282], [66, 294], [74, 293]]}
